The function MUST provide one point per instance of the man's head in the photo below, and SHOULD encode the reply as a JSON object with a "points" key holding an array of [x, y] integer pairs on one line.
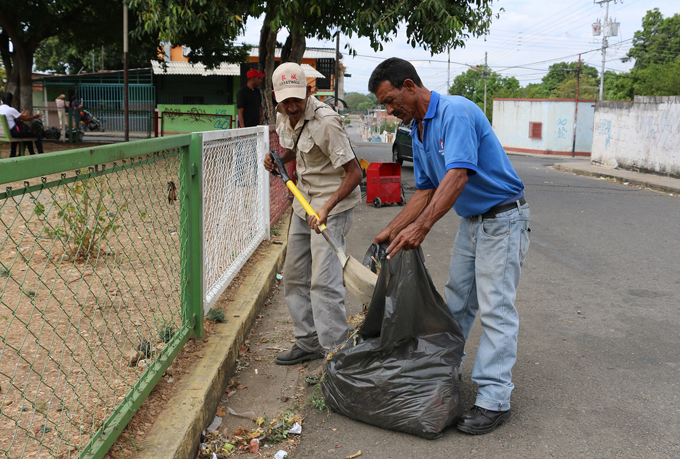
{"points": [[395, 83], [291, 90], [7, 98], [254, 78]]}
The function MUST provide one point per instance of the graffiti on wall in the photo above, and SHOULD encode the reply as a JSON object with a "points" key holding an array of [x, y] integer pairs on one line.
{"points": [[562, 128], [604, 129]]}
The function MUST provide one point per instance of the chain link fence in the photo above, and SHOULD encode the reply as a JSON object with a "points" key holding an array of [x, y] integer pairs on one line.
{"points": [[235, 203], [178, 122], [107, 258], [96, 276]]}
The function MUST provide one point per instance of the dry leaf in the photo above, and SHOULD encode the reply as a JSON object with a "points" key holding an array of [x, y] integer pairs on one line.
{"points": [[220, 412], [357, 454]]}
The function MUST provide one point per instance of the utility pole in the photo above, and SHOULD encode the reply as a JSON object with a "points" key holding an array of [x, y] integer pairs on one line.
{"points": [[610, 30], [578, 81], [125, 73], [337, 71], [485, 75], [448, 75]]}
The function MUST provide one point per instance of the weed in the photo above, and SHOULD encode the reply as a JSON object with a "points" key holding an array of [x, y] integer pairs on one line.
{"points": [[275, 232], [166, 331], [317, 399], [87, 217], [31, 293], [240, 365], [41, 408], [216, 315], [4, 272]]}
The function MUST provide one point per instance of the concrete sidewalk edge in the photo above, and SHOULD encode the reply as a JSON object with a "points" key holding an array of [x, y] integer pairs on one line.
{"points": [[177, 431], [651, 181]]}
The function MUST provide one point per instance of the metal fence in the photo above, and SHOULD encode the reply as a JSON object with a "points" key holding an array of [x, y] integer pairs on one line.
{"points": [[100, 287], [235, 203], [104, 276], [95, 121], [177, 122]]}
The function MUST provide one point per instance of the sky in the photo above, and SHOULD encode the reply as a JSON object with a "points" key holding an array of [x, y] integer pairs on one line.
{"points": [[528, 37]]}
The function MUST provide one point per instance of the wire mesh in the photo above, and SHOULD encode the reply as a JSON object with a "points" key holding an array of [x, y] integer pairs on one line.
{"points": [[178, 122], [235, 204], [90, 295]]}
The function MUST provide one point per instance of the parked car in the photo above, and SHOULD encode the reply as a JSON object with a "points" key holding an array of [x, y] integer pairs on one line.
{"points": [[375, 138], [401, 148]]}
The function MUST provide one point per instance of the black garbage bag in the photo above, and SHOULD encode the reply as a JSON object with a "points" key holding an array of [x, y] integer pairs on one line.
{"points": [[375, 252], [399, 371]]}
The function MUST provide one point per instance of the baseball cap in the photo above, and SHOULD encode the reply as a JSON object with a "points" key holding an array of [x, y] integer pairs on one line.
{"points": [[252, 73], [289, 81]]}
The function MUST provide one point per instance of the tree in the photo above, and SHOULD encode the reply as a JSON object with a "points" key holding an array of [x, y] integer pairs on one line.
{"points": [[658, 42], [618, 86], [587, 88], [434, 24], [83, 24], [471, 86], [57, 56], [354, 99], [557, 73], [661, 79]]}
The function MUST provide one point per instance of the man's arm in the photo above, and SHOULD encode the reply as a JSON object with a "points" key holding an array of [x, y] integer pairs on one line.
{"points": [[442, 201], [241, 122], [261, 114], [287, 155], [349, 183], [26, 117], [414, 207]]}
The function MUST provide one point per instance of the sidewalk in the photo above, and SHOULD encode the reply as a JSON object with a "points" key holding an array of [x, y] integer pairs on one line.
{"points": [[270, 388], [651, 181]]}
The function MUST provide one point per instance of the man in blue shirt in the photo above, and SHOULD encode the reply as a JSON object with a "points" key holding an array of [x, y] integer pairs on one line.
{"points": [[458, 162]]}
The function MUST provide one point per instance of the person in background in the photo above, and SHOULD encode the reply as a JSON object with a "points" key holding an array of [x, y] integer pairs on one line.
{"points": [[459, 163], [328, 177], [16, 128], [75, 106], [249, 100], [61, 110]]}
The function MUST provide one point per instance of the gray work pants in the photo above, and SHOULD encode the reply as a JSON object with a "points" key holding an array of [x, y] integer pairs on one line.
{"points": [[313, 287]]}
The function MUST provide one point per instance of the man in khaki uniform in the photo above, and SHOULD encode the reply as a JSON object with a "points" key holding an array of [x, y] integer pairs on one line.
{"points": [[328, 177]]}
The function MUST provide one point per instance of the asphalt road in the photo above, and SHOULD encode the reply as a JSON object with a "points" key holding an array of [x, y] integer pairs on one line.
{"points": [[597, 370]]}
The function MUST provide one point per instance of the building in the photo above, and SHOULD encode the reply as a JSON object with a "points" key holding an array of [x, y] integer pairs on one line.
{"points": [[544, 125]]}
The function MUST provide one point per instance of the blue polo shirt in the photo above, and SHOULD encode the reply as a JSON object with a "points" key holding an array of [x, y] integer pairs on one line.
{"points": [[456, 134]]}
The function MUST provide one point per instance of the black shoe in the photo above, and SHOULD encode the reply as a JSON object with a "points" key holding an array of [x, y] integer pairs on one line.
{"points": [[481, 421], [296, 355]]}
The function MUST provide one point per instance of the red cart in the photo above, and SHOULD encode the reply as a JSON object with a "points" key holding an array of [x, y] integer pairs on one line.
{"points": [[383, 184]]}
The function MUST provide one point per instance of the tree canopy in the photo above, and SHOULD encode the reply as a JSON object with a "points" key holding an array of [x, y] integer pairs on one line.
{"points": [[658, 42], [471, 86]]}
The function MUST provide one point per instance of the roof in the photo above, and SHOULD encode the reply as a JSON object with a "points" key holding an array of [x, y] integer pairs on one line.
{"points": [[310, 53], [185, 68]]}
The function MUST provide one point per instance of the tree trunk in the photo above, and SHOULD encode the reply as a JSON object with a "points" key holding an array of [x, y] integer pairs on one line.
{"points": [[294, 48], [267, 58]]}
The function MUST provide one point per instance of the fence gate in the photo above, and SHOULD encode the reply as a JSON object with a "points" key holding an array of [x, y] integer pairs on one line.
{"points": [[106, 101]]}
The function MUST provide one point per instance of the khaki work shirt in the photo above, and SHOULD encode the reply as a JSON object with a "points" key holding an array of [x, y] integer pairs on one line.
{"points": [[322, 150]]}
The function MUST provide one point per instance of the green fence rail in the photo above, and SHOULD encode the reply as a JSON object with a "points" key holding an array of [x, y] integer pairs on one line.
{"points": [[100, 288]]}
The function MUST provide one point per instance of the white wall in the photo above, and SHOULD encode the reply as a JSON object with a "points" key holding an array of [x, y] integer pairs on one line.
{"points": [[643, 135], [511, 118]]}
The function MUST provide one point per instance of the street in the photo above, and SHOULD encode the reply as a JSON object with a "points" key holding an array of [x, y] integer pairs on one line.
{"points": [[597, 367]]}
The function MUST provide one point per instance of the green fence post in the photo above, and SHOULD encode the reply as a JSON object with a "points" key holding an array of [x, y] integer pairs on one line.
{"points": [[191, 218]]}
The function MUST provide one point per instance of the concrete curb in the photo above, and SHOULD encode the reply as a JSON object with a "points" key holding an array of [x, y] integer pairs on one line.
{"points": [[653, 182], [177, 431]]}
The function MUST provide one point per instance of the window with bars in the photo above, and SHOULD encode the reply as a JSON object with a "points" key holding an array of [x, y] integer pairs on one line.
{"points": [[325, 66], [535, 130]]}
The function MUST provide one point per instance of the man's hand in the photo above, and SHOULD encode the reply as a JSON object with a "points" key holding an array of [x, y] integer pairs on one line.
{"points": [[384, 237], [269, 162], [410, 238], [314, 223]]}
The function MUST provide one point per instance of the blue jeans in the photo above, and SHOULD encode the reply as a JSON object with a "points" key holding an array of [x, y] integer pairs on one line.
{"points": [[483, 276]]}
